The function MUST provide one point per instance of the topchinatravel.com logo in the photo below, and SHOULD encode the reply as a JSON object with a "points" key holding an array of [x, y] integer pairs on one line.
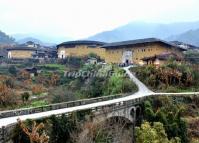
{"points": [[84, 74]]}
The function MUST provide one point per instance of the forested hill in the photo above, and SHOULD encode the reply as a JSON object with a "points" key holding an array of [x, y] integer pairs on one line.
{"points": [[5, 39]]}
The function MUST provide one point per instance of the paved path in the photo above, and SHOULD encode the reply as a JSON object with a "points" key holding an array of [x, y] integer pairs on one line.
{"points": [[142, 89], [143, 92]]}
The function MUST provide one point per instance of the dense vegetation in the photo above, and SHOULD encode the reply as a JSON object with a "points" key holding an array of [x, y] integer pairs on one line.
{"points": [[169, 118], [57, 82], [175, 118], [165, 120], [75, 128], [171, 77], [153, 134], [192, 57]]}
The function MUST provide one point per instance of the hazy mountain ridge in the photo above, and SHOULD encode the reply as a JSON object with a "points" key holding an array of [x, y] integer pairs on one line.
{"points": [[139, 30], [187, 32], [191, 37], [5, 39], [24, 40], [40, 39]]}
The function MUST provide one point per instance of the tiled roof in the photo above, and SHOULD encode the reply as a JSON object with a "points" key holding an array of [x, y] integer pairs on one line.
{"points": [[178, 43], [139, 41], [163, 56], [80, 42], [22, 48]]}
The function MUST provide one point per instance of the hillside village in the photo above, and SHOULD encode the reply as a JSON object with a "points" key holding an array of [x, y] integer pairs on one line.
{"points": [[140, 51], [35, 77], [98, 71]]}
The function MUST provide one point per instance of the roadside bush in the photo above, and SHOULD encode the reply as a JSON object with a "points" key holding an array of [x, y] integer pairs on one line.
{"points": [[61, 94], [119, 84], [169, 77]]}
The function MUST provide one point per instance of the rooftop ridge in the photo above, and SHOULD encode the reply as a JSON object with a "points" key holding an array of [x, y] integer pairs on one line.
{"points": [[81, 42]]}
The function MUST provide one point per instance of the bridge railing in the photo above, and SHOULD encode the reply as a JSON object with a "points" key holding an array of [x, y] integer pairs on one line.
{"points": [[7, 131], [26, 111]]}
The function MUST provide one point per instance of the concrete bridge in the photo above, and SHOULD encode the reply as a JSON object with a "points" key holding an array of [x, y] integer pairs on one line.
{"points": [[112, 106]]}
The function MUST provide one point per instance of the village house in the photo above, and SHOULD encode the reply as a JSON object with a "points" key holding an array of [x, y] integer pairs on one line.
{"points": [[80, 49], [185, 45], [30, 50], [161, 59], [126, 52], [133, 51], [20, 52], [32, 71]]}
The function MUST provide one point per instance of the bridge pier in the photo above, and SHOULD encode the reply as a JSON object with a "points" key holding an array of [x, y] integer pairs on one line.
{"points": [[132, 114]]}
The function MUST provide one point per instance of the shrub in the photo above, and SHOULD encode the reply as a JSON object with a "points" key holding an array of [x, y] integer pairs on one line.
{"points": [[169, 115], [153, 134], [54, 79], [23, 75], [62, 127], [36, 134], [25, 96], [12, 70], [6, 95], [9, 82], [37, 89], [61, 94], [118, 84]]}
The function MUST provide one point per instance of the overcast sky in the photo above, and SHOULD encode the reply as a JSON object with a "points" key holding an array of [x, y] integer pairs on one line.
{"points": [[82, 18]]}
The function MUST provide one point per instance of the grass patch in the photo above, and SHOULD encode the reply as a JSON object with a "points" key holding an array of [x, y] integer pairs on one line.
{"points": [[53, 67], [36, 104]]}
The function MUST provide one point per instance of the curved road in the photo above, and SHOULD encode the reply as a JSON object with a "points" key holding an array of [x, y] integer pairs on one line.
{"points": [[143, 91]]}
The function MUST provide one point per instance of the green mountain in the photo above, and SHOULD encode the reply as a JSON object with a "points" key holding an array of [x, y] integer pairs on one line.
{"points": [[5, 39]]}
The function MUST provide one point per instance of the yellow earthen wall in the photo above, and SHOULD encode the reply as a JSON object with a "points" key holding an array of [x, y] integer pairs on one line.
{"points": [[114, 55], [80, 51], [21, 54]]}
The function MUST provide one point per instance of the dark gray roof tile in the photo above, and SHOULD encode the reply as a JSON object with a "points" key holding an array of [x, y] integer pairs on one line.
{"points": [[80, 42], [22, 48], [137, 42]]}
